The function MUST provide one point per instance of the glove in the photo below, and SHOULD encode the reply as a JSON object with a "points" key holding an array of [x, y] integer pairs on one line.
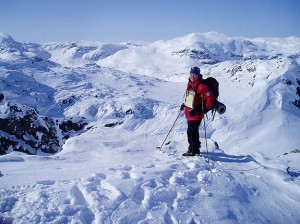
{"points": [[192, 112], [182, 107]]}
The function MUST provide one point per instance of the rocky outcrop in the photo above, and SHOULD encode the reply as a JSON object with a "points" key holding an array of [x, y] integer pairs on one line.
{"points": [[23, 129], [1, 97], [297, 101], [71, 127]]}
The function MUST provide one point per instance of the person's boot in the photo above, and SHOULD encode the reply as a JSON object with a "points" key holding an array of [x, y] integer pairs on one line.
{"points": [[188, 153], [197, 152]]}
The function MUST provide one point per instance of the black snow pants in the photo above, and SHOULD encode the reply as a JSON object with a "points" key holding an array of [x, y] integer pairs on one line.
{"points": [[193, 136]]}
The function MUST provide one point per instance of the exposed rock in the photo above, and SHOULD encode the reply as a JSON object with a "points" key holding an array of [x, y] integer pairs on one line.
{"points": [[194, 54], [296, 102], [69, 126], [298, 87], [129, 111], [26, 126], [23, 129], [111, 125]]}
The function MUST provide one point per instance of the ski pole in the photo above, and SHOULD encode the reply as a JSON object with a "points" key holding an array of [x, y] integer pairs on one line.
{"points": [[205, 129], [169, 131], [205, 139]]}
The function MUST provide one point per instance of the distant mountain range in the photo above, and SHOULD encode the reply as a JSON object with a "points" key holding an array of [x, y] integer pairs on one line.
{"points": [[53, 91]]}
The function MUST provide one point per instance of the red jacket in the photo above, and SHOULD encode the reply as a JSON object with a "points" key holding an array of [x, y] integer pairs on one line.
{"points": [[202, 92]]}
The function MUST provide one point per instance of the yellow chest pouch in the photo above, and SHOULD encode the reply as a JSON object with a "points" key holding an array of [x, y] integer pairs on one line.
{"points": [[189, 98]]}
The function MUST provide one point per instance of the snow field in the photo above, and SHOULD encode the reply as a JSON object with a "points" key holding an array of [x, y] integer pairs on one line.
{"points": [[140, 184]]}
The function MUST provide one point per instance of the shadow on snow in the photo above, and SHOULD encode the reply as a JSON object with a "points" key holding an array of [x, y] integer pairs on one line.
{"points": [[227, 158]]}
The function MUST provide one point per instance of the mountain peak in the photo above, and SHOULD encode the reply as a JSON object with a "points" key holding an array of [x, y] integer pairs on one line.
{"points": [[7, 42], [6, 38]]}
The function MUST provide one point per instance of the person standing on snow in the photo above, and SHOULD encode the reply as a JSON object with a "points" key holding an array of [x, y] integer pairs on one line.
{"points": [[198, 100]]}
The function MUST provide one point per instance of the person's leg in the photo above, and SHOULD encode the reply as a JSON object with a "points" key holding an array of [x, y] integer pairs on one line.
{"points": [[193, 136]]}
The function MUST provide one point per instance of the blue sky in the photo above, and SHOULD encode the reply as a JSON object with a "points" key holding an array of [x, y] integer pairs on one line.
{"points": [[149, 20]]}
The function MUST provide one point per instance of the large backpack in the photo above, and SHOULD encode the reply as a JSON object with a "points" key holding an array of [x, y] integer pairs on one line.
{"points": [[213, 84]]}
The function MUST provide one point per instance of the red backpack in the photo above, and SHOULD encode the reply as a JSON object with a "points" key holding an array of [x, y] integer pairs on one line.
{"points": [[213, 84]]}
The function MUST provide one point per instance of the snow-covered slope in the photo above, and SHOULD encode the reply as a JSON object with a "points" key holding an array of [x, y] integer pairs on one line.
{"points": [[129, 95], [172, 58]]}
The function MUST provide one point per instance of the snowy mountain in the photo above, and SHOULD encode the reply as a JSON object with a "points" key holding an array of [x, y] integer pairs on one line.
{"points": [[89, 115]]}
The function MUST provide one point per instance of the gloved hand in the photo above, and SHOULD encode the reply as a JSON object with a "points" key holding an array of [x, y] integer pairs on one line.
{"points": [[198, 110], [182, 107], [192, 112]]}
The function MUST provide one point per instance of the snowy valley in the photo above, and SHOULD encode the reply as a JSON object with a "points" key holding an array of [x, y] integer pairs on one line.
{"points": [[80, 123]]}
